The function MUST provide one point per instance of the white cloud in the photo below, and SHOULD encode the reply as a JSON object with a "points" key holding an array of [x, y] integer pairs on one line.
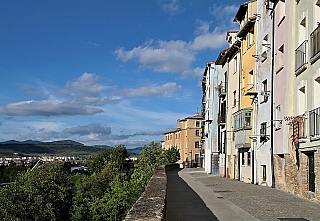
{"points": [[193, 73], [47, 108], [209, 40], [176, 56], [162, 56], [151, 91], [171, 6], [82, 96], [225, 15], [88, 129], [87, 84]]}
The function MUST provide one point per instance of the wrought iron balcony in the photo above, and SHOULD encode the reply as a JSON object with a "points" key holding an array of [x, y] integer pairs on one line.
{"points": [[222, 89], [315, 45], [301, 57], [314, 122], [221, 118]]}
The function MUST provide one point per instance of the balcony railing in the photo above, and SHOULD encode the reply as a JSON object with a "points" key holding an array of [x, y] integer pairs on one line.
{"points": [[315, 44], [301, 56], [314, 122], [222, 118], [222, 89]]}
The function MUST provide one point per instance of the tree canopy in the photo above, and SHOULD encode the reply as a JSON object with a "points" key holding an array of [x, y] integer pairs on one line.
{"points": [[107, 191]]}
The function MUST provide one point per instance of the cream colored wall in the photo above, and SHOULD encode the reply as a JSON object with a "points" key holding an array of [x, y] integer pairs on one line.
{"points": [[184, 138]]}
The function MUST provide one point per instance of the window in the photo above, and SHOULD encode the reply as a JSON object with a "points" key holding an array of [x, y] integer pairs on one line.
{"points": [[314, 119], [234, 98], [280, 12], [301, 50], [235, 66], [265, 47], [264, 172], [249, 158], [278, 121], [242, 119], [280, 59], [265, 91], [247, 119], [301, 100], [197, 144], [302, 30], [263, 132], [197, 123], [242, 159], [250, 38], [197, 132], [251, 83]]}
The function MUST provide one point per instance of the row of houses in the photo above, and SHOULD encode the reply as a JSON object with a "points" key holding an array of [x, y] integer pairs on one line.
{"points": [[261, 99]]}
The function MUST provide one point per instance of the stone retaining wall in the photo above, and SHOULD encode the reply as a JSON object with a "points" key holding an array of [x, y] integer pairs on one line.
{"points": [[151, 205]]}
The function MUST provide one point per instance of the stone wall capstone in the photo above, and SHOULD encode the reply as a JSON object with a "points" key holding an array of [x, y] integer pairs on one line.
{"points": [[152, 203]]}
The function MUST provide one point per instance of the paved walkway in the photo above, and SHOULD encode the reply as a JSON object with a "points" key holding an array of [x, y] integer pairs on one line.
{"points": [[196, 195]]}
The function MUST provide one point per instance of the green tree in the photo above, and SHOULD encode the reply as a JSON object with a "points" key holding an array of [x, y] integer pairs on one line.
{"points": [[151, 157], [44, 193], [99, 195]]}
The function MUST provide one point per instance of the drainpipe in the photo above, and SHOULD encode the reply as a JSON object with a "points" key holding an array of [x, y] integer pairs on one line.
{"points": [[252, 162], [271, 94], [239, 102], [226, 127], [239, 166]]}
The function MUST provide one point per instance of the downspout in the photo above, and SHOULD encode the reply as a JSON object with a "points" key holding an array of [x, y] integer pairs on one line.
{"points": [[239, 166], [252, 162], [271, 93], [239, 94], [226, 133]]}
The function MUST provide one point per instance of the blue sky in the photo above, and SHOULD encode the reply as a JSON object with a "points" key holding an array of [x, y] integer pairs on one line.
{"points": [[105, 72]]}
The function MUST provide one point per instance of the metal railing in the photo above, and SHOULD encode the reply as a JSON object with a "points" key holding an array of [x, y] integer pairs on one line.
{"points": [[314, 122], [222, 88], [222, 118], [301, 55], [315, 42]]}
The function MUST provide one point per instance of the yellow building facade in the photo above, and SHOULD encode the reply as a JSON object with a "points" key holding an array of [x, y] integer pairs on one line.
{"points": [[187, 139], [243, 119]]}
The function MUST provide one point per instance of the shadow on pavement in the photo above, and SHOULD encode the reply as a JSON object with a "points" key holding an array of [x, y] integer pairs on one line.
{"points": [[183, 203]]}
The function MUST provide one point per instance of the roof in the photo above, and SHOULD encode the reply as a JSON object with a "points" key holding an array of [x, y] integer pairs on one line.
{"points": [[229, 52], [222, 57], [196, 116], [242, 11], [248, 25]]}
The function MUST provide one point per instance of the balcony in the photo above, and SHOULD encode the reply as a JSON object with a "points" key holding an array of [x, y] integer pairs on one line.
{"points": [[314, 123], [242, 126], [222, 119], [301, 58], [222, 89], [242, 139], [299, 124], [315, 45]]}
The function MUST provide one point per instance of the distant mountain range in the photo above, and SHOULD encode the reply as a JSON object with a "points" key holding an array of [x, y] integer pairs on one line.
{"points": [[55, 148]]}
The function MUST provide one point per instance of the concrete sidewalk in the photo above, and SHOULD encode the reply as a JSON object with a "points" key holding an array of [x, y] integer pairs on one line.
{"points": [[195, 195]]}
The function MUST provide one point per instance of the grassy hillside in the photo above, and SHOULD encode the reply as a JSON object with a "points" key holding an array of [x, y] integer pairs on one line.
{"points": [[56, 148]]}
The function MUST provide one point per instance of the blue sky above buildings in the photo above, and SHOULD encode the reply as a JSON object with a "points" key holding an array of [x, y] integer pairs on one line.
{"points": [[105, 72]]}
